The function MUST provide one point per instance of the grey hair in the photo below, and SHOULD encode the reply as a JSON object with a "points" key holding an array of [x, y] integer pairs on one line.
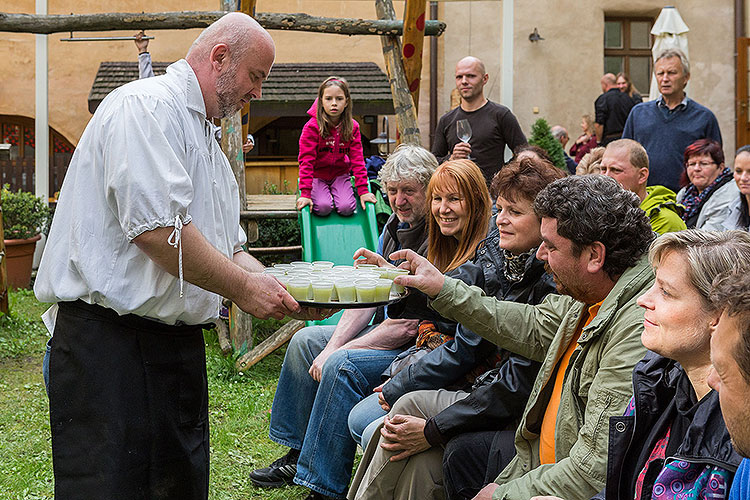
{"points": [[558, 132], [637, 154], [408, 162], [669, 53], [591, 163], [743, 149], [708, 254], [594, 208]]}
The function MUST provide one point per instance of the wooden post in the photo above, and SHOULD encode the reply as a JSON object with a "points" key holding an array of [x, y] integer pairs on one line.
{"points": [[269, 345], [248, 7], [406, 114], [413, 41], [3, 269], [240, 323]]}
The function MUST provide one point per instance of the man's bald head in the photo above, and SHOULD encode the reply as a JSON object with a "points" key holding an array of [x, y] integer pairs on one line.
{"points": [[231, 59], [473, 61], [608, 81], [238, 31]]}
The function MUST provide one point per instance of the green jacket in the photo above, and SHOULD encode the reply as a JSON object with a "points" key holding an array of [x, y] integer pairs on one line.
{"points": [[597, 385], [663, 210]]}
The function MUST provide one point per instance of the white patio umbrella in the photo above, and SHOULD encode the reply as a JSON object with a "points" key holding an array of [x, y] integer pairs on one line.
{"points": [[670, 32]]}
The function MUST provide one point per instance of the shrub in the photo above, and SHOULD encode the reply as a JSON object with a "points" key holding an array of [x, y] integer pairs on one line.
{"points": [[542, 136], [24, 215]]}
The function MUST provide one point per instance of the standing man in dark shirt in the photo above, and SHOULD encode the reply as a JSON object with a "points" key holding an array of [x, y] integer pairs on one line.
{"points": [[493, 126], [612, 109]]}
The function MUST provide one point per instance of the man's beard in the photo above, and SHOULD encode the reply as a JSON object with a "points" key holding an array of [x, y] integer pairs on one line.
{"points": [[575, 290], [226, 98]]}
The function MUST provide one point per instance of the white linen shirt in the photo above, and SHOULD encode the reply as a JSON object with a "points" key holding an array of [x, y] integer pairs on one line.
{"points": [[147, 159]]}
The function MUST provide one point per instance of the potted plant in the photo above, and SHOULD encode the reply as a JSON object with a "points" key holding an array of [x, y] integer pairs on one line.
{"points": [[24, 218]]}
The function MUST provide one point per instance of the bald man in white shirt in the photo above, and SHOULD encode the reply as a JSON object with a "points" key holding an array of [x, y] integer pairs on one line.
{"points": [[145, 242]]}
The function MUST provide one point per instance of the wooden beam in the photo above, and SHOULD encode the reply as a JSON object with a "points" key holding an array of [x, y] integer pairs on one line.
{"points": [[406, 113], [47, 24], [276, 340], [413, 42]]}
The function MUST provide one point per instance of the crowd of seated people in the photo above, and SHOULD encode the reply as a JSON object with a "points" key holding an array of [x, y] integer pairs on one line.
{"points": [[591, 339]]}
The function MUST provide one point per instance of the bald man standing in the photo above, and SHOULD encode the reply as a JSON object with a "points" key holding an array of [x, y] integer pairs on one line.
{"points": [[145, 242], [493, 126], [612, 109]]}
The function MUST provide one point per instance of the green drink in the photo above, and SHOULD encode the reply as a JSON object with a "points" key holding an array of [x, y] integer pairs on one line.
{"points": [[366, 290], [383, 290], [299, 289], [346, 290], [322, 290]]}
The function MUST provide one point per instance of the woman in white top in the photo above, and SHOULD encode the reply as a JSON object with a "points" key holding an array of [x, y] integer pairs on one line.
{"points": [[739, 209]]}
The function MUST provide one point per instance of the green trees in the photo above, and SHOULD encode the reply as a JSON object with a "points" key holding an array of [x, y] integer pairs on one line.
{"points": [[542, 136]]}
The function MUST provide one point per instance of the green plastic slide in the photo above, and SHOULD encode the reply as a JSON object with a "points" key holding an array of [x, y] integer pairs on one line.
{"points": [[335, 238]]}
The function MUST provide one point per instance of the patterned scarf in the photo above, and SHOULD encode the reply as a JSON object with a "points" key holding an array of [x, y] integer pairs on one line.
{"points": [[515, 265], [693, 201]]}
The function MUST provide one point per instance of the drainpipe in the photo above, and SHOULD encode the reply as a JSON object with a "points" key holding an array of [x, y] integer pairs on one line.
{"points": [[506, 79], [739, 32], [41, 113], [433, 75]]}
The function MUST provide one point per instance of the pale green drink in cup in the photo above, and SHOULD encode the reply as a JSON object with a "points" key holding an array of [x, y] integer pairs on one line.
{"points": [[366, 290], [346, 290], [298, 288], [383, 290], [398, 272], [322, 290]]}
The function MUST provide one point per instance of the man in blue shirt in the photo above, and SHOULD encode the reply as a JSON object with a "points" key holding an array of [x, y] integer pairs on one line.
{"points": [[666, 126], [730, 376]]}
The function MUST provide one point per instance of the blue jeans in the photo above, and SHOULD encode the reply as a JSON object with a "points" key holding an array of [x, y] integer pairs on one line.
{"points": [[365, 418], [312, 417]]}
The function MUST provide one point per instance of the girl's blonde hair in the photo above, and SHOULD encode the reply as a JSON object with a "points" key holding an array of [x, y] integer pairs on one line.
{"points": [[446, 252], [324, 121]]}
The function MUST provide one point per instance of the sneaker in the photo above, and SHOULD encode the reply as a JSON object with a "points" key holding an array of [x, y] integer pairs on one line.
{"points": [[280, 473]]}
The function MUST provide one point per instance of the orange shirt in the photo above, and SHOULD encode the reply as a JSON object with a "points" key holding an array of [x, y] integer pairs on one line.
{"points": [[549, 421]]}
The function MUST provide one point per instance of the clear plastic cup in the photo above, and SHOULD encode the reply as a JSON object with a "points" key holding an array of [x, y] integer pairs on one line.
{"points": [[343, 268], [367, 266], [322, 264], [384, 272], [285, 267], [366, 275], [322, 290], [346, 290], [299, 288], [383, 290], [300, 263], [366, 290], [398, 272]]}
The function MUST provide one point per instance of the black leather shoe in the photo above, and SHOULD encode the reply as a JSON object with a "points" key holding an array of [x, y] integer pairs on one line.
{"points": [[280, 473]]}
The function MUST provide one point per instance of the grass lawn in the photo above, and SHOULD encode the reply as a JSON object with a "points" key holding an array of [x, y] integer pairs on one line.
{"points": [[239, 406]]}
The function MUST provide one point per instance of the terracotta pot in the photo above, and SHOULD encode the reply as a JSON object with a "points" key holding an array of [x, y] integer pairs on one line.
{"points": [[19, 257]]}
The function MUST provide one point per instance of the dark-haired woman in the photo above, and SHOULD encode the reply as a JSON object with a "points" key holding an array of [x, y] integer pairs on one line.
{"points": [[739, 210], [711, 190]]}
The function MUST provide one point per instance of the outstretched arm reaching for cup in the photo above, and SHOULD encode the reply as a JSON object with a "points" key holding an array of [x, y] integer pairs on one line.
{"points": [[424, 276]]}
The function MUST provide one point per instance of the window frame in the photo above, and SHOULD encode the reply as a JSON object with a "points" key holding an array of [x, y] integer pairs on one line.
{"points": [[626, 52]]}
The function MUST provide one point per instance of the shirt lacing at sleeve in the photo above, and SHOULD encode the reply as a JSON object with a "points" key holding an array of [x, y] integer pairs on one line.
{"points": [[175, 239]]}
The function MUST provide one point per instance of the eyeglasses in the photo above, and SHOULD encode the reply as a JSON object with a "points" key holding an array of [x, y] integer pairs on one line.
{"points": [[700, 164]]}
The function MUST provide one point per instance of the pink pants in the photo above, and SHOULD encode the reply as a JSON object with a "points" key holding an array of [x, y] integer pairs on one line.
{"points": [[337, 192]]}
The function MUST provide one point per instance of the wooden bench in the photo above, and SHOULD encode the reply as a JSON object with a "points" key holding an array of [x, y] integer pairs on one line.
{"points": [[268, 206]]}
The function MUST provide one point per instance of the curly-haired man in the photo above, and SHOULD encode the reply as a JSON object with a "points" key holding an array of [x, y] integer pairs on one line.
{"points": [[594, 242]]}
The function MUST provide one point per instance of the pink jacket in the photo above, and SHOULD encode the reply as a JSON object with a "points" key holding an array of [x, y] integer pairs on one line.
{"points": [[329, 158]]}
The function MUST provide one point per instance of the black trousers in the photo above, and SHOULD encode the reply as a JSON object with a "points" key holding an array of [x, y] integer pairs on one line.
{"points": [[128, 407], [473, 460]]}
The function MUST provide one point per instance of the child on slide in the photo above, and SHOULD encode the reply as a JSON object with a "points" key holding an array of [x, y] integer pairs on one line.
{"points": [[330, 151]]}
